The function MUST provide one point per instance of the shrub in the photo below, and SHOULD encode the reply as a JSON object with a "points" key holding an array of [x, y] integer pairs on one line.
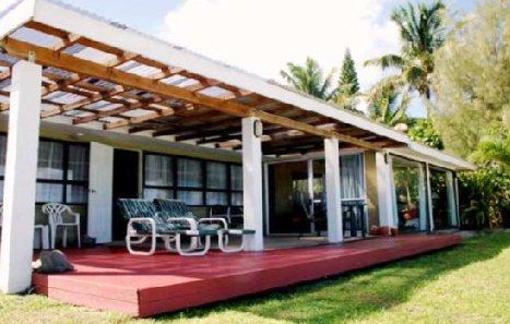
{"points": [[485, 197]]}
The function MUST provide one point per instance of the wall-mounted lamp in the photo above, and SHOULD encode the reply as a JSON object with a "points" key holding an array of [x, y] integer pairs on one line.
{"points": [[258, 129]]}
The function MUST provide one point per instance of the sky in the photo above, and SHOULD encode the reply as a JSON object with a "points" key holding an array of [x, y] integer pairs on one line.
{"points": [[261, 36]]}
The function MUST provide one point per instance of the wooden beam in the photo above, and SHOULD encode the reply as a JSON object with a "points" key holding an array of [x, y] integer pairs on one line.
{"points": [[136, 120], [46, 56]]}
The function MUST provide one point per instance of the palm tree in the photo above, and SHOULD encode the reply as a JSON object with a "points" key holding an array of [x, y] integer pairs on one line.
{"points": [[421, 33], [388, 102], [309, 79], [493, 148]]}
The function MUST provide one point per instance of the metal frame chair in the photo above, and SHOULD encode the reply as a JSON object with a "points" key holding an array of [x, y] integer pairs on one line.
{"points": [[145, 222]]}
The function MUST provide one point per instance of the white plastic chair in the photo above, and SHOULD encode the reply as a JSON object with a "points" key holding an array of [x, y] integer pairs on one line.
{"points": [[56, 213]]}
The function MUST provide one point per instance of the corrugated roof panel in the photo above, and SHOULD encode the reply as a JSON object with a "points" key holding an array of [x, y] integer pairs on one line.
{"points": [[36, 37], [95, 55]]}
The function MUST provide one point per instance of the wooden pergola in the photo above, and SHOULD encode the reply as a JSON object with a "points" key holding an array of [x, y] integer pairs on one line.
{"points": [[93, 83], [70, 67]]}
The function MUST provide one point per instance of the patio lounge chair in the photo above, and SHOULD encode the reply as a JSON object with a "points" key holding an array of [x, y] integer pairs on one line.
{"points": [[177, 208], [145, 222]]}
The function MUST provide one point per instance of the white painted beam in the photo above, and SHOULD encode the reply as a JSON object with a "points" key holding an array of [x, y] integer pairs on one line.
{"points": [[252, 184], [14, 15], [334, 203], [20, 178], [100, 193], [385, 189]]}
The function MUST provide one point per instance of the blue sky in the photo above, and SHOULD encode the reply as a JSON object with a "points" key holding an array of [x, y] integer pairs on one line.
{"points": [[261, 36]]}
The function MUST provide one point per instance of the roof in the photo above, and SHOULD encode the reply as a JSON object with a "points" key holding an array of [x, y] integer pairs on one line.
{"points": [[101, 74]]}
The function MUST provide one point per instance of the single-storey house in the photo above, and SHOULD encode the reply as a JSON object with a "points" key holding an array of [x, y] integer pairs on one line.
{"points": [[93, 111]]}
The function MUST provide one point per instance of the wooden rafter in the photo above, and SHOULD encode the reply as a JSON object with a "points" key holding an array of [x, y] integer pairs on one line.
{"points": [[71, 63]]}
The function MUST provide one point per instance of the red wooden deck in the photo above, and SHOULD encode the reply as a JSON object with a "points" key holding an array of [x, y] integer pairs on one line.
{"points": [[111, 279]]}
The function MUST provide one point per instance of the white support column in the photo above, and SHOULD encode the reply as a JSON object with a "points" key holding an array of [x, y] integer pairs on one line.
{"points": [[20, 178], [334, 203], [265, 169], [311, 211], [252, 184], [422, 190], [452, 204], [457, 201], [429, 199], [385, 189]]}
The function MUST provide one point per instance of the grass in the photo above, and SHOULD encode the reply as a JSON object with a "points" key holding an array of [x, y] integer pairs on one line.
{"points": [[467, 284]]}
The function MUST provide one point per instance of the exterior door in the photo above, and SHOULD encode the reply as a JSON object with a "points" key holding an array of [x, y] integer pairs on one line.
{"points": [[125, 185], [100, 192]]}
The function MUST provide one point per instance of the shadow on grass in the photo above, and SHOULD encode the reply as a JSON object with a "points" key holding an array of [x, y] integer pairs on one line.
{"points": [[356, 295]]}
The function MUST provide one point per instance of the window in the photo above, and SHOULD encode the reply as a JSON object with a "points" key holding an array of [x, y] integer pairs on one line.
{"points": [[197, 182], [158, 177], [352, 177], [216, 175], [189, 173], [62, 171], [236, 185], [217, 180]]}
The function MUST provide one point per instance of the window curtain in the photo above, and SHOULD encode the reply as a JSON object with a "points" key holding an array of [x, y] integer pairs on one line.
{"points": [[216, 198], [76, 194], [152, 193], [216, 175], [236, 177], [352, 184], [190, 197], [237, 199], [3, 154], [50, 166], [51, 161], [158, 170], [78, 165], [189, 173]]}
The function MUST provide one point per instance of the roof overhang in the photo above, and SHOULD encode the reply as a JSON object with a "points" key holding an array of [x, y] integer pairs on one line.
{"points": [[423, 153], [296, 121]]}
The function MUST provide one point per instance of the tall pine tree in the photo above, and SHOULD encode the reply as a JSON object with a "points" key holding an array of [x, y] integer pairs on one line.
{"points": [[348, 85]]}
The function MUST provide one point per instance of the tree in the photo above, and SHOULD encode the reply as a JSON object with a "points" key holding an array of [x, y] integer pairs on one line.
{"points": [[388, 104], [421, 33], [309, 79], [348, 86], [423, 131], [493, 148], [472, 78]]}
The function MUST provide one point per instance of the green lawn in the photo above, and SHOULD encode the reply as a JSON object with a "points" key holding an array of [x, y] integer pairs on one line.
{"points": [[470, 283]]}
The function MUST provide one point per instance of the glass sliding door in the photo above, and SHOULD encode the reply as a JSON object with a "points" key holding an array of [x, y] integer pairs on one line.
{"points": [[410, 195], [353, 195], [444, 211]]}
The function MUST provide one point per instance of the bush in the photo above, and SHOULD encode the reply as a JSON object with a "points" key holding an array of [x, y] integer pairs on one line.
{"points": [[423, 131], [485, 198]]}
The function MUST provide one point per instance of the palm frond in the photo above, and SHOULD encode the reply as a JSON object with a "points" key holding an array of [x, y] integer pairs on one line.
{"points": [[387, 61]]}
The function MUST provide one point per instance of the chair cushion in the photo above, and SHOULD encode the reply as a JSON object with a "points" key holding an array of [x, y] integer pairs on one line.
{"points": [[174, 208], [134, 208], [212, 227], [240, 231]]}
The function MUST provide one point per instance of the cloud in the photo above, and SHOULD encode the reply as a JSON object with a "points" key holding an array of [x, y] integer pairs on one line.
{"points": [[261, 36]]}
